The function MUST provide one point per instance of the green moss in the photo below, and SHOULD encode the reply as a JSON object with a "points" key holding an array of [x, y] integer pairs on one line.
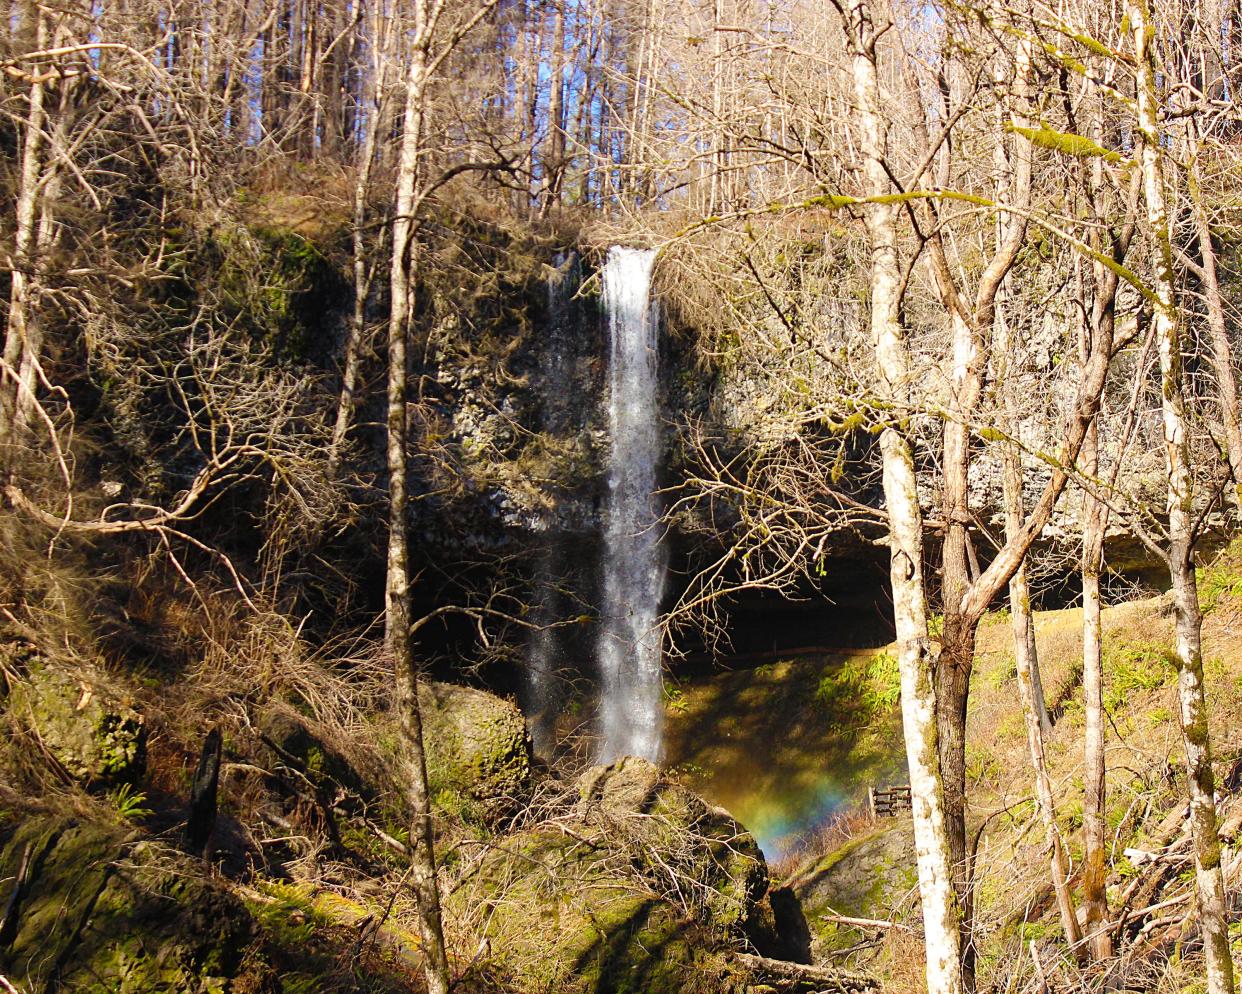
{"points": [[104, 915], [1078, 146], [1222, 580], [478, 752], [280, 286], [94, 737], [866, 876], [567, 922]]}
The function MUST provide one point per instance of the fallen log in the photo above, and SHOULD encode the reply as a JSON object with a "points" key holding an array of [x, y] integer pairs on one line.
{"points": [[797, 978]]}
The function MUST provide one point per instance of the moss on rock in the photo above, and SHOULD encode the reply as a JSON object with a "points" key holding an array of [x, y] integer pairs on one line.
{"points": [[99, 914], [287, 733], [96, 737], [478, 751], [570, 919], [677, 832], [870, 876]]}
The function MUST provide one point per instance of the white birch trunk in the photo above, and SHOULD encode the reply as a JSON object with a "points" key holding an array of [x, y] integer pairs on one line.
{"points": [[1209, 880], [941, 912]]}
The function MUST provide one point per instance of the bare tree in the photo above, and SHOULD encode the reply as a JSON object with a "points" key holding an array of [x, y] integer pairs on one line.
{"points": [[1181, 511], [941, 907]]}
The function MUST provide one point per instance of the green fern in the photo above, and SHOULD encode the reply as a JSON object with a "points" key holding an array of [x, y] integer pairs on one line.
{"points": [[129, 803]]}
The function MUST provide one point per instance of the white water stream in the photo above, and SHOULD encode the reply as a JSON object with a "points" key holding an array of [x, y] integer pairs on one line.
{"points": [[633, 564]]}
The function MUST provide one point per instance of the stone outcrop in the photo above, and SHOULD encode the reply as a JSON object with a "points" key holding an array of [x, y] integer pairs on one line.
{"points": [[94, 912], [640, 887], [97, 738], [292, 738], [700, 850], [564, 914], [872, 876]]}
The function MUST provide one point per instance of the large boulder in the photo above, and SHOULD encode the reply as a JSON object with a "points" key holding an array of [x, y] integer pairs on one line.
{"points": [[697, 849], [873, 875], [563, 914], [94, 734], [95, 912], [639, 886], [296, 741], [478, 751]]}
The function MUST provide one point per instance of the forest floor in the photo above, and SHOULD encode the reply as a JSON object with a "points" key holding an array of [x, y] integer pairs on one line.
{"points": [[307, 862]]}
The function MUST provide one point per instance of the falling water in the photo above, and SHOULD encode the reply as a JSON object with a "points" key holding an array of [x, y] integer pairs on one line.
{"points": [[633, 567], [542, 691]]}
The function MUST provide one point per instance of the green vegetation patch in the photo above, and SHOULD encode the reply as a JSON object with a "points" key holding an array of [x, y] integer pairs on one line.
{"points": [[100, 914], [861, 690], [1132, 667]]}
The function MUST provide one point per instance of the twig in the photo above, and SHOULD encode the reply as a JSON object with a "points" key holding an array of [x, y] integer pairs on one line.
{"points": [[1039, 968]]}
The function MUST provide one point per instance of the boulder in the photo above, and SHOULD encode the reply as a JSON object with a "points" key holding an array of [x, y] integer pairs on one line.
{"points": [[295, 741], [638, 886], [478, 751], [564, 915], [701, 850], [98, 738], [870, 876]]}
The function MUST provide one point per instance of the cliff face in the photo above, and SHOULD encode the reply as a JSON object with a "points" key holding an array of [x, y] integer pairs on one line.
{"points": [[764, 403]]}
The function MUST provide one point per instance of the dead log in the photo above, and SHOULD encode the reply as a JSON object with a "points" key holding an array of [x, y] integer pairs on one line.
{"points": [[798, 978]]}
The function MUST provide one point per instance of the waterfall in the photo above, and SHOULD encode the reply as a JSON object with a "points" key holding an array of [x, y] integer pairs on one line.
{"points": [[633, 564], [543, 658]]}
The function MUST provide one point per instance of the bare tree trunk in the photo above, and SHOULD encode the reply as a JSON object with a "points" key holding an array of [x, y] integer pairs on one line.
{"points": [[719, 155], [370, 112], [1026, 659], [1102, 326], [404, 276], [45, 239], [554, 160], [1188, 640], [1094, 873], [941, 913], [21, 318], [971, 321], [1222, 352], [1023, 622]]}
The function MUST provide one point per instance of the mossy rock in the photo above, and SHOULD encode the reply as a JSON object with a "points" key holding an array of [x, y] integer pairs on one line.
{"points": [[95, 736], [676, 829], [869, 876], [562, 915], [478, 751], [100, 914], [293, 738]]}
